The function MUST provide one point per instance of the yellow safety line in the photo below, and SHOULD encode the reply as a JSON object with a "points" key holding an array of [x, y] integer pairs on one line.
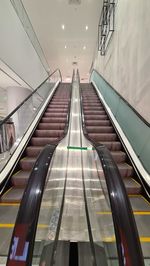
{"points": [[134, 196], [135, 181], [135, 213], [9, 204], [143, 239], [7, 191], [6, 225], [17, 172], [145, 200], [12, 225]]}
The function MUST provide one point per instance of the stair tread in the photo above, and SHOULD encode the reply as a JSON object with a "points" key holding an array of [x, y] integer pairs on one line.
{"points": [[21, 178], [14, 195]]}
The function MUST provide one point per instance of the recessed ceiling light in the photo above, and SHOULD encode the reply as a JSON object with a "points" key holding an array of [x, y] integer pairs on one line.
{"points": [[63, 26], [84, 47], [65, 46], [86, 27]]}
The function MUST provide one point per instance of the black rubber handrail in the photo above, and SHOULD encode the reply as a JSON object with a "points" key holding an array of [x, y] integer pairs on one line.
{"points": [[127, 103], [22, 242], [127, 238], [8, 116]]}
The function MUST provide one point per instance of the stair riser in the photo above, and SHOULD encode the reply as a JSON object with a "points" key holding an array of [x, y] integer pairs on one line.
{"points": [[49, 133], [102, 137], [51, 126], [43, 141]]}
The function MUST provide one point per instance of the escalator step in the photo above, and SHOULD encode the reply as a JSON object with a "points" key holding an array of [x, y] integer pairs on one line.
{"points": [[132, 186], [97, 122], [51, 126], [13, 196], [91, 112], [37, 141], [103, 136], [56, 110], [49, 133], [118, 156], [125, 170], [21, 178], [47, 114], [95, 117], [112, 145], [54, 119], [27, 163], [33, 151], [99, 129], [93, 108]]}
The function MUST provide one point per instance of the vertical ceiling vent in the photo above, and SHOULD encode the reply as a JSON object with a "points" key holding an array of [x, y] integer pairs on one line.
{"points": [[74, 2]]}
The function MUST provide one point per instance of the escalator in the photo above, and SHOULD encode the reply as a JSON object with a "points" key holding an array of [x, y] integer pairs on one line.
{"points": [[99, 129], [50, 130], [66, 229]]}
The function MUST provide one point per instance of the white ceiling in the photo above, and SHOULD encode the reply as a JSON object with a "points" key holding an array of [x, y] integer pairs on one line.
{"points": [[47, 17]]}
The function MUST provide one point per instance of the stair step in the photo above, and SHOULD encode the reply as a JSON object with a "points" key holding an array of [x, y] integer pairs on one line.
{"points": [[57, 115], [49, 133], [90, 112], [27, 163], [97, 122], [93, 108], [54, 105], [56, 110], [98, 104], [33, 151], [132, 186], [99, 129], [102, 136], [13, 196], [20, 179], [37, 141], [95, 117], [125, 170], [51, 126], [119, 156], [112, 145], [54, 120]]}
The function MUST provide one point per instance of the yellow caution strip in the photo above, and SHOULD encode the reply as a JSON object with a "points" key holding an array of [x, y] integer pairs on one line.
{"points": [[135, 213], [9, 204], [17, 173], [143, 239], [12, 225]]}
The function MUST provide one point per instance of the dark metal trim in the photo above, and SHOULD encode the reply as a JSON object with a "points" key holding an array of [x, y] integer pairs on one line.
{"points": [[127, 103], [7, 117]]}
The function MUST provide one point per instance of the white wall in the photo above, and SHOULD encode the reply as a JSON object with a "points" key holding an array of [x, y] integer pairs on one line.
{"points": [[15, 95], [126, 65], [16, 49]]}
